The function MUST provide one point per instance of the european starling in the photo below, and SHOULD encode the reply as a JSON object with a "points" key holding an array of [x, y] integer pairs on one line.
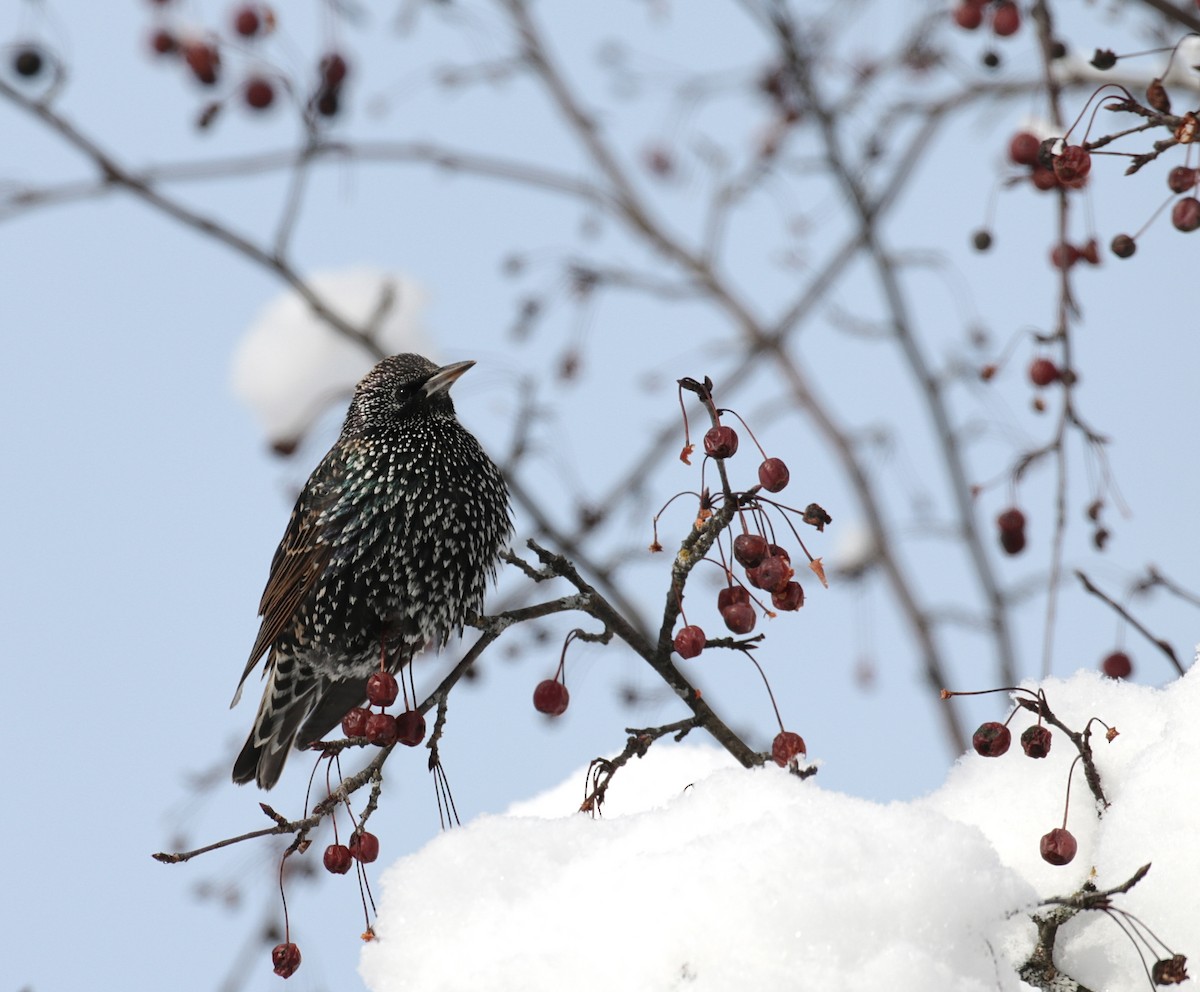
{"points": [[390, 546]]}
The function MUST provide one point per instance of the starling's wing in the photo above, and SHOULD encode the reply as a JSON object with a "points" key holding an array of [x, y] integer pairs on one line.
{"points": [[301, 558]]}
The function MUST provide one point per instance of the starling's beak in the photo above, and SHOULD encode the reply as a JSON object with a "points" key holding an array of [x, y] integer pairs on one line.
{"points": [[445, 377]]}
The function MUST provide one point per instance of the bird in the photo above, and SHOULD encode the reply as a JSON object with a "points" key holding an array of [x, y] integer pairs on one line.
{"points": [[390, 547]]}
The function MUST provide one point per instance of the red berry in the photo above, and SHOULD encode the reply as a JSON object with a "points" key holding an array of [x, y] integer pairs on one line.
{"points": [[410, 728], [551, 697], [382, 689], [333, 69], [1006, 19], [338, 859], [204, 60], [773, 475], [1042, 372], [259, 93], [776, 551], [1011, 519], [968, 15], [1090, 252], [1123, 246], [1181, 179], [328, 102], [246, 21], [730, 595], [381, 729], [991, 739], [1012, 541], [1023, 148], [354, 723], [285, 958], [1063, 255], [690, 641], [740, 618], [364, 847], [789, 598], [163, 42], [1035, 741], [786, 746], [1043, 178], [1059, 846], [772, 575], [721, 442], [1185, 215], [1117, 665], [1073, 165], [749, 549]]}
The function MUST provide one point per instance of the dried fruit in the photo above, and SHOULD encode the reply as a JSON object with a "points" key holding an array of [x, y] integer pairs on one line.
{"points": [[382, 689], [789, 598], [720, 442], [690, 641], [739, 618], [1181, 179], [259, 93], [364, 846], [968, 15], [730, 595], [1035, 741], [27, 61], [1023, 148], [1123, 246], [1011, 519], [1006, 18], [1185, 215], [1073, 165], [773, 475], [1170, 971], [551, 697], [1117, 665], [381, 729], [410, 728], [786, 746], [750, 549], [1059, 846], [338, 859], [285, 959], [992, 739], [354, 723]]}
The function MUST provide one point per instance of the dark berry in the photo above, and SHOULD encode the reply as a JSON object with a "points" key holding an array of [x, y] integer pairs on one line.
{"points": [[204, 60], [1023, 148], [991, 739], [730, 595], [690, 641], [789, 598], [1170, 971], [982, 240], [1181, 179], [1012, 541], [772, 575], [773, 475], [246, 21], [786, 746], [285, 959], [1042, 372], [410, 728], [333, 69], [1043, 178], [1105, 58], [328, 102], [1063, 255], [28, 62], [364, 846], [1123, 246], [1073, 165], [739, 618], [1006, 19], [749, 549], [382, 689], [968, 15], [1117, 665], [990, 59], [1059, 846], [354, 723], [338, 859], [259, 93], [551, 697], [164, 43], [721, 442], [1090, 252], [1156, 96], [1035, 741], [381, 729], [1011, 519], [1185, 215]]}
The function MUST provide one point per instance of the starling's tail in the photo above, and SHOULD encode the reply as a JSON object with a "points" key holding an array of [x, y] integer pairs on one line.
{"points": [[285, 703], [332, 703]]}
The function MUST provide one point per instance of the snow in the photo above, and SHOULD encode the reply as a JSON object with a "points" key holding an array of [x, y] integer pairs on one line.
{"points": [[290, 365], [703, 876]]}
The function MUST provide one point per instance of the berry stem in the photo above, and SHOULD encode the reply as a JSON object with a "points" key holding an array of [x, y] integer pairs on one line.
{"points": [[770, 694], [1067, 803]]}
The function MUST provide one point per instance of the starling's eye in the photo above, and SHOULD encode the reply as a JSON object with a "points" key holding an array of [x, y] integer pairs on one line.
{"points": [[404, 394]]}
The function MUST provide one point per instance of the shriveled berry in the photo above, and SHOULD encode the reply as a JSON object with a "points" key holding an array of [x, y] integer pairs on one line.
{"points": [[1156, 96], [259, 93], [204, 60], [968, 15], [1059, 846], [1006, 18], [1123, 246], [786, 746], [354, 723], [1011, 519], [410, 728], [1043, 178], [789, 598], [739, 618], [1012, 541], [772, 575], [1181, 179], [730, 595], [1023, 148], [27, 61], [381, 729], [776, 551], [1170, 971], [285, 959], [382, 689], [364, 846], [1090, 252], [690, 641], [1035, 741], [1117, 665], [1185, 215], [992, 739], [1042, 372], [720, 442], [333, 69], [1073, 165], [551, 697], [246, 21], [1105, 58], [749, 549], [773, 475], [338, 859]]}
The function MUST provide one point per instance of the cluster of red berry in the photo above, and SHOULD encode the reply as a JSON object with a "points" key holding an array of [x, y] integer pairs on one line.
{"points": [[250, 23], [382, 728], [1005, 16]]}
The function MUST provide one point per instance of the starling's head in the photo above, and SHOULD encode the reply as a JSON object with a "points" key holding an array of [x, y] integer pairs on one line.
{"points": [[401, 388]]}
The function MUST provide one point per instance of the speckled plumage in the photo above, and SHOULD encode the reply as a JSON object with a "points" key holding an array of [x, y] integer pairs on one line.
{"points": [[390, 546]]}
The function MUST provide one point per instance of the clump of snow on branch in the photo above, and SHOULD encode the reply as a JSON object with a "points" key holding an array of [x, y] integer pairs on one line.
{"points": [[701, 876], [291, 365]]}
